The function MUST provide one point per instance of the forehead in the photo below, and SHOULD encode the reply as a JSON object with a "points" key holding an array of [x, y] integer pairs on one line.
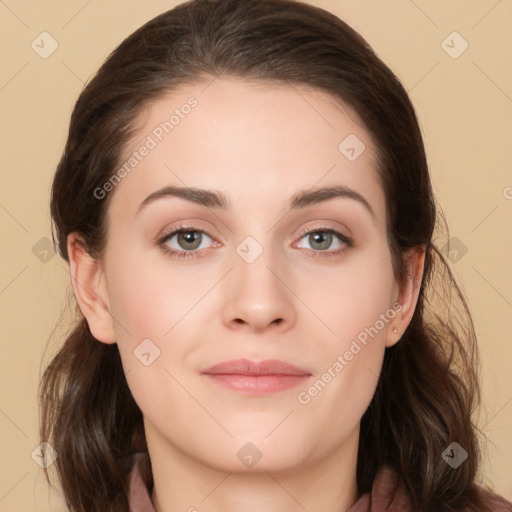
{"points": [[258, 142]]}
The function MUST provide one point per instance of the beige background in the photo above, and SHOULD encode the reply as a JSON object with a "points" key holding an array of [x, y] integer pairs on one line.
{"points": [[465, 110]]}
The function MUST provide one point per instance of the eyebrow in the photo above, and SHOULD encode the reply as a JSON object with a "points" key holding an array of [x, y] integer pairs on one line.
{"points": [[218, 200]]}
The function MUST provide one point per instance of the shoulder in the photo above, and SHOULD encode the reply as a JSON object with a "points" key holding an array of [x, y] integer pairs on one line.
{"points": [[493, 502], [388, 493]]}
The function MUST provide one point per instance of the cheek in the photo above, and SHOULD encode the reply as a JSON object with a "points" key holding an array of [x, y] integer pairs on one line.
{"points": [[148, 300], [349, 362], [343, 400], [349, 299], [357, 306]]}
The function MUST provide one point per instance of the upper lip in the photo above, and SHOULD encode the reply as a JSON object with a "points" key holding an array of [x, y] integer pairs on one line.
{"points": [[247, 367]]}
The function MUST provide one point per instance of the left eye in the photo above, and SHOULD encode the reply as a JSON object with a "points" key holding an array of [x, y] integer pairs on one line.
{"points": [[321, 240]]}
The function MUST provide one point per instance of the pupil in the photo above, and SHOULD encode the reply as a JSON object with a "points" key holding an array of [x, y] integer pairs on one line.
{"points": [[189, 237], [322, 238]]}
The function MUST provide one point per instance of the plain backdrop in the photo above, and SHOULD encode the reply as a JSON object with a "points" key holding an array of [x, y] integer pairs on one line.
{"points": [[464, 104]]}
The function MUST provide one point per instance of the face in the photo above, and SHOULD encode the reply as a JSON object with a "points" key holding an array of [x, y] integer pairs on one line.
{"points": [[268, 268]]}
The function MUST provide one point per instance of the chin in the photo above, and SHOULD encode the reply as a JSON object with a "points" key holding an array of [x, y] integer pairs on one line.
{"points": [[263, 461]]}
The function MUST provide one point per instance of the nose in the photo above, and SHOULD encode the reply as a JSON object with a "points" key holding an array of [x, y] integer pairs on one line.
{"points": [[258, 296]]}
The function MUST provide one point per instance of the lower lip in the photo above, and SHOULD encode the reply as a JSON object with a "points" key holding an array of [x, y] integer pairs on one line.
{"points": [[258, 384]]}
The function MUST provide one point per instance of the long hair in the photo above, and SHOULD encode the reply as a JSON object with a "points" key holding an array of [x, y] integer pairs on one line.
{"points": [[428, 388]]}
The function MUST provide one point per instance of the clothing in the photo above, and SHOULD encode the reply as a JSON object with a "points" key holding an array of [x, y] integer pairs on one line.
{"points": [[387, 493]]}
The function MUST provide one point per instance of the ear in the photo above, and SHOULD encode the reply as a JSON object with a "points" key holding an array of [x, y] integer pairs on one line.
{"points": [[407, 296], [88, 281]]}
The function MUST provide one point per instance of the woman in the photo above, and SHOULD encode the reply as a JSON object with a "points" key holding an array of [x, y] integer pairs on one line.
{"points": [[245, 205]]}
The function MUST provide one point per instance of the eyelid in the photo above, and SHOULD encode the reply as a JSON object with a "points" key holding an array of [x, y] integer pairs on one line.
{"points": [[322, 226], [187, 225], [192, 225]]}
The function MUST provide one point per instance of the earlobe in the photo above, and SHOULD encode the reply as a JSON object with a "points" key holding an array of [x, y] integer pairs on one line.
{"points": [[408, 294], [88, 281]]}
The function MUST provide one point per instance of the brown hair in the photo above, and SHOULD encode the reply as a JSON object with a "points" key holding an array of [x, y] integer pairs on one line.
{"points": [[428, 387]]}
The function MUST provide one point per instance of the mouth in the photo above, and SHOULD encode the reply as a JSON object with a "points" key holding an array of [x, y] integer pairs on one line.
{"points": [[256, 378]]}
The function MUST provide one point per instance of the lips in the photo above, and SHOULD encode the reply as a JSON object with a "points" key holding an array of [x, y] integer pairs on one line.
{"points": [[264, 377], [246, 367]]}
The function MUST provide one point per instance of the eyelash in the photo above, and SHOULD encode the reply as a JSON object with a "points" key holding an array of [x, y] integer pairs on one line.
{"points": [[161, 242]]}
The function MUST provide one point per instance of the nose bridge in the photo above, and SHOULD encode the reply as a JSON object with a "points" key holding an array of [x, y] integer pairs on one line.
{"points": [[257, 294], [255, 265]]}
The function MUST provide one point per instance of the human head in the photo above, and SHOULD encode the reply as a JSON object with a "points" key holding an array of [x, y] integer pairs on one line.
{"points": [[302, 47]]}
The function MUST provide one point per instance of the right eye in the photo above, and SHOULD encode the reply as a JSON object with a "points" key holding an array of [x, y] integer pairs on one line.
{"points": [[184, 241]]}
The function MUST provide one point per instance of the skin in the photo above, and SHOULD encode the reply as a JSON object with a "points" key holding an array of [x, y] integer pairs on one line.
{"points": [[258, 143]]}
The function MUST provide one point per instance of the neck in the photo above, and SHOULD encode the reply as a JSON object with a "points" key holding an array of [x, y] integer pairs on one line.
{"points": [[185, 483]]}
